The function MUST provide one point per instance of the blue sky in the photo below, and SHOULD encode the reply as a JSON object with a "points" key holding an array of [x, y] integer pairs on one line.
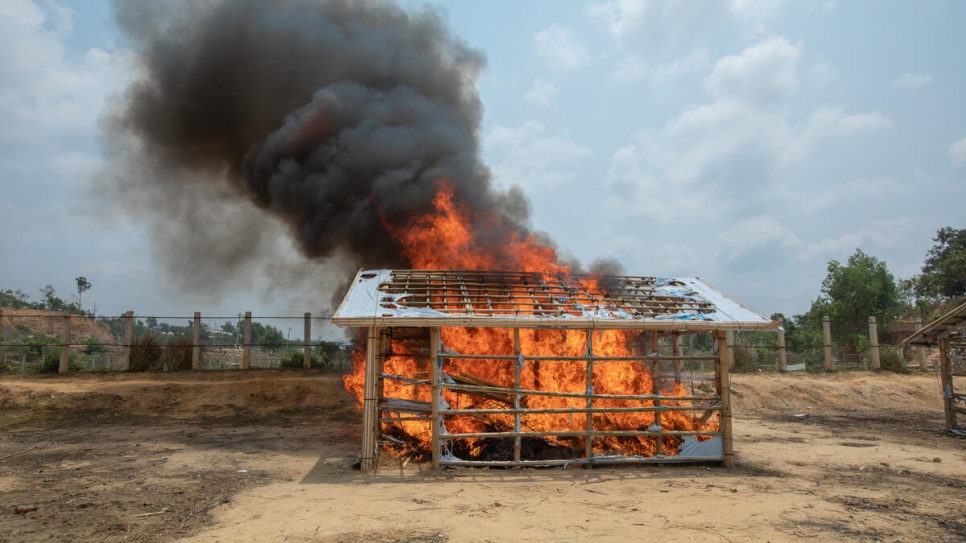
{"points": [[747, 142]]}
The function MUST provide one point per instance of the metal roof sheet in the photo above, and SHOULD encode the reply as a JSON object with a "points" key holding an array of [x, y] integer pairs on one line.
{"points": [[949, 326], [519, 299]]}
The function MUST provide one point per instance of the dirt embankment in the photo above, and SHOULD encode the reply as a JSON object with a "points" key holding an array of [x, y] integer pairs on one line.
{"points": [[51, 323], [265, 456]]}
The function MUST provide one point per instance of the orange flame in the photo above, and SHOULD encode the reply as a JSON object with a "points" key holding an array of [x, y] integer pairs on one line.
{"points": [[445, 239]]}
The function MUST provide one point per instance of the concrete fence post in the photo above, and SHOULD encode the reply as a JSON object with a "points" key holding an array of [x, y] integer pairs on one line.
{"points": [[65, 346], [307, 342], [128, 340], [782, 361], [874, 344], [196, 342], [247, 349], [827, 335], [920, 350]]}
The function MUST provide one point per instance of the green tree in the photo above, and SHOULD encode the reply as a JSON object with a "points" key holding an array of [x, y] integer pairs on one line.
{"points": [[14, 298], [83, 285], [853, 292], [944, 270]]}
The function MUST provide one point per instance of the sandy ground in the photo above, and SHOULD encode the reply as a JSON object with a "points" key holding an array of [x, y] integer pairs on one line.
{"points": [[265, 456]]}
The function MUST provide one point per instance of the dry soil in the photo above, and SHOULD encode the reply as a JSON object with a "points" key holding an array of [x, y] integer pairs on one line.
{"points": [[266, 456]]}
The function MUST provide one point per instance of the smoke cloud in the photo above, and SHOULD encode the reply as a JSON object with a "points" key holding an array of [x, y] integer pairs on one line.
{"points": [[334, 117]]}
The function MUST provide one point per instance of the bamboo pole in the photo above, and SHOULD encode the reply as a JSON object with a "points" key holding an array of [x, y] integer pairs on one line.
{"points": [[247, 348], [946, 381], [370, 406], [874, 344], [65, 346], [434, 424], [643, 358], [827, 337], [676, 347], [724, 385], [782, 361], [584, 433], [128, 340], [517, 369], [196, 342], [561, 410], [524, 392], [589, 440], [307, 342]]}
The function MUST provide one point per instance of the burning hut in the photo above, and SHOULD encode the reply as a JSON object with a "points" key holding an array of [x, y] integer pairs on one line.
{"points": [[949, 333], [480, 368]]}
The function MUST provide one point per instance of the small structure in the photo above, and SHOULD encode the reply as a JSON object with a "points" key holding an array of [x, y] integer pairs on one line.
{"points": [[949, 333], [540, 370]]}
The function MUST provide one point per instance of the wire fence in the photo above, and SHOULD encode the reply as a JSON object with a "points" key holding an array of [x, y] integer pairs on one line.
{"points": [[33, 341]]}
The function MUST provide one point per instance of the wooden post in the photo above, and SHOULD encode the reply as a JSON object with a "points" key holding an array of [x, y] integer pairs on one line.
{"points": [[65, 346], [676, 351], [307, 344], [946, 382], [724, 389], [517, 368], [782, 361], [920, 350], [1, 329], [434, 423], [128, 340], [874, 344], [730, 339], [827, 335], [589, 440], [370, 402], [656, 389], [196, 342], [247, 348]]}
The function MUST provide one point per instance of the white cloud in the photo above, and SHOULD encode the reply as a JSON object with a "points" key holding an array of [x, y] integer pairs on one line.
{"points": [[912, 81], [875, 236], [757, 242], [765, 73], [654, 37], [957, 154], [729, 158], [49, 100], [541, 93], [822, 75], [527, 155], [560, 49]]}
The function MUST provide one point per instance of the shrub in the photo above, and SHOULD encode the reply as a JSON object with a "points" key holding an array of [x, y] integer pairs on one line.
{"points": [[177, 353], [145, 353], [51, 364], [296, 359], [891, 359], [92, 346]]}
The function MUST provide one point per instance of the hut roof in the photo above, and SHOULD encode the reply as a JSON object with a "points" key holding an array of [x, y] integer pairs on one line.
{"points": [[533, 300], [949, 326]]}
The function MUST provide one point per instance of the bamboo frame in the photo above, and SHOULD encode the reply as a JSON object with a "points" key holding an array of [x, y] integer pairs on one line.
{"points": [[413, 410], [421, 301]]}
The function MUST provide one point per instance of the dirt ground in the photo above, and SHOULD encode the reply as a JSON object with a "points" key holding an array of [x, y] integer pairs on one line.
{"points": [[265, 456]]}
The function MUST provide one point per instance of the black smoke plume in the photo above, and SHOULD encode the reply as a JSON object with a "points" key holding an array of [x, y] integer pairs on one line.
{"points": [[334, 117]]}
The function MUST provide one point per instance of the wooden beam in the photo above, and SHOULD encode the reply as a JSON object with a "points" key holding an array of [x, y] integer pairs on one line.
{"points": [[724, 388], [517, 369], [370, 402], [589, 440], [434, 424]]}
